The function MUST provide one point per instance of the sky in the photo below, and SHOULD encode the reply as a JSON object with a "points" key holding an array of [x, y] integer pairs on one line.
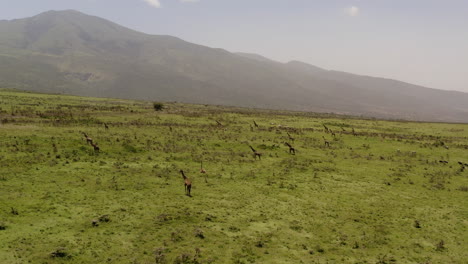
{"points": [[422, 42]]}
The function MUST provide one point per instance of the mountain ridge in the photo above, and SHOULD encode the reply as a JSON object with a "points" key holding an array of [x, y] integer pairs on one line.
{"points": [[74, 53]]}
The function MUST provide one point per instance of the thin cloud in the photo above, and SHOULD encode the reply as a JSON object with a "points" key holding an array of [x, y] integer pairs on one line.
{"points": [[153, 3], [352, 11]]}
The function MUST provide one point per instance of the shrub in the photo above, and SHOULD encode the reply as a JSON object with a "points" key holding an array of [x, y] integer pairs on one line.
{"points": [[59, 253], [440, 246], [158, 106], [199, 233], [184, 258], [160, 256]]}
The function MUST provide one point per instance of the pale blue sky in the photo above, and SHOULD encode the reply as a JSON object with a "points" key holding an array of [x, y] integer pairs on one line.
{"points": [[419, 41]]}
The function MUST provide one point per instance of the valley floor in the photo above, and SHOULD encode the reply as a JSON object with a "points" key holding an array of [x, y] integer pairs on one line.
{"points": [[379, 192]]}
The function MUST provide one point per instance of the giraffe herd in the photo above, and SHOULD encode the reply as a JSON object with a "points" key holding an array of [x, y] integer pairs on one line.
{"points": [[256, 154]]}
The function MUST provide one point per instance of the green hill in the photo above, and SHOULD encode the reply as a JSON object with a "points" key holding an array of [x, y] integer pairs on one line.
{"points": [[72, 53]]}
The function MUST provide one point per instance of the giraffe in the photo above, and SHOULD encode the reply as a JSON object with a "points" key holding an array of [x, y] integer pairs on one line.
{"points": [[326, 128], [463, 166], [291, 149], [187, 183], [203, 171], [255, 153], [327, 143], [88, 139], [95, 146]]}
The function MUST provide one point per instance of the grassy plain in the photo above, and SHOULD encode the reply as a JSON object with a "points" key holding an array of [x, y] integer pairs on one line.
{"points": [[380, 196]]}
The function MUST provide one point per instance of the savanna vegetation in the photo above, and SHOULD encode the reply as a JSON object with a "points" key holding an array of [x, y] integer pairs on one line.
{"points": [[88, 180]]}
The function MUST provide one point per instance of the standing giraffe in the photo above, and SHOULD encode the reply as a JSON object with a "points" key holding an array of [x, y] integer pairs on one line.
{"points": [[187, 183], [291, 149], [203, 171], [255, 153], [88, 139], [326, 128], [327, 143], [463, 166], [95, 146]]}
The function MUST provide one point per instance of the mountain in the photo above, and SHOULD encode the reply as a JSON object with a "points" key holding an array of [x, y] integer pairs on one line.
{"points": [[74, 53]]}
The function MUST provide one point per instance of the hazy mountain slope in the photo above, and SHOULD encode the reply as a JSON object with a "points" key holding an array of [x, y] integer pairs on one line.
{"points": [[386, 97], [70, 52]]}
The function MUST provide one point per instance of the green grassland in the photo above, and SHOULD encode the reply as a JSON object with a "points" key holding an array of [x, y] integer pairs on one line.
{"points": [[379, 196]]}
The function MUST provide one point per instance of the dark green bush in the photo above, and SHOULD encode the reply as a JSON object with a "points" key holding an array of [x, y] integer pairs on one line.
{"points": [[158, 106]]}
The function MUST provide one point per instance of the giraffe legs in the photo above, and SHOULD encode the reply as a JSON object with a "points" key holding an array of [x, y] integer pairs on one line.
{"points": [[188, 188]]}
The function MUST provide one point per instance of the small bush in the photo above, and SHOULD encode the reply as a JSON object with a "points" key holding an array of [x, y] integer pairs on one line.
{"points": [[160, 256], [14, 211], [164, 218], [260, 243], [320, 249], [184, 258], [59, 253], [199, 233], [440, 246], [176, 237], [104, 218], [384, 259], [158, 106]]}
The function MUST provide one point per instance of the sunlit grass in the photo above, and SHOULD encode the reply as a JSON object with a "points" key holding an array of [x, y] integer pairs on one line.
{"points": [[357, 201]]}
